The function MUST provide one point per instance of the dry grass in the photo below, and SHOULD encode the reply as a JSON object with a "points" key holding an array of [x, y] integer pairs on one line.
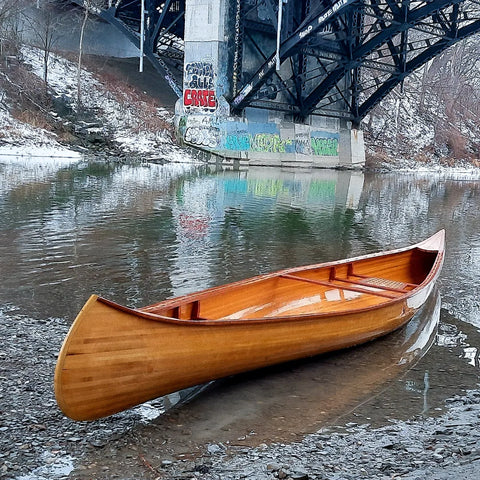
{"points": [[27, 96], [28, 100], [377, 159], [33, 117], [144, 109]]}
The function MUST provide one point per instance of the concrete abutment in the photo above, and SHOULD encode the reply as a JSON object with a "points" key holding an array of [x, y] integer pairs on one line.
{"points": [[259, 137]]}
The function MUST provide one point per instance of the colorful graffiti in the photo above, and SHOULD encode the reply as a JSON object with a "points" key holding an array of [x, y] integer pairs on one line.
{"points": [[259, 142], [203, 136], [237, 141], [273, 143], [303, 143], [199, 88], [327, 147], [270, 143], [199, 98], [212, 133]]}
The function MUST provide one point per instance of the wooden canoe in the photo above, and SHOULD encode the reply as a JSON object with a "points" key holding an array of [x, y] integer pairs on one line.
{"points": [[115, 357]]}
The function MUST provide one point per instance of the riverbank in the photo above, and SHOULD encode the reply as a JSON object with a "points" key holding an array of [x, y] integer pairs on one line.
{"points": [[124, 114], [108, 116], [38, 443]]}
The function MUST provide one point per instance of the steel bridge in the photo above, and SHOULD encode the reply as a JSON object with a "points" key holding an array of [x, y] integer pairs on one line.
{"points": [[337, 58]]}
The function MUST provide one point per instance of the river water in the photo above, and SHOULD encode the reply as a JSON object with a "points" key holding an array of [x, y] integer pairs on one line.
{"points": [[139, 232]]}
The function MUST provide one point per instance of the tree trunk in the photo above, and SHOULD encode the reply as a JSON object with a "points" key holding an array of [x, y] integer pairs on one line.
{"points": [[80, 53]]}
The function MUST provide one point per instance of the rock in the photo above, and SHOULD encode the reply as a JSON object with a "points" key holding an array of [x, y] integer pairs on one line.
{"points": [[213, 449], [202, 469], [282, 474], [273, 467], [97, 443], [438, 457], [414, 449], [299, 476]]}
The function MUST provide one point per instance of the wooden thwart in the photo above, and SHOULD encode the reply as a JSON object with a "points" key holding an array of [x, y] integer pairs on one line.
{"points": [[341, 287]]}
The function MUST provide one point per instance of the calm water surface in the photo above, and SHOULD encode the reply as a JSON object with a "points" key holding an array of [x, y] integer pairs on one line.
{"points": [[138, 233]]}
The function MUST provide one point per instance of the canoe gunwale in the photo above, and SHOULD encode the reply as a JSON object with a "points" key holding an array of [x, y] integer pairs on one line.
{"points": [[432, 244], [244, 321]]}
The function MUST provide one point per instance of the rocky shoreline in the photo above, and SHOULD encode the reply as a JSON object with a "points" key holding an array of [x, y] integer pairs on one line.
{"points": [[37, 442], [434, 448]]}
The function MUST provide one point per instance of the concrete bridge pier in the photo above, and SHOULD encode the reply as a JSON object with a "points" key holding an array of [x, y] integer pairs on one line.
{"points": [[204, 119], [351, 148]]}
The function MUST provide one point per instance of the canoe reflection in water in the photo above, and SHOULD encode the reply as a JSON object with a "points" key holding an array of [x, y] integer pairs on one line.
{"points": [[421, 331], [116, 357]]}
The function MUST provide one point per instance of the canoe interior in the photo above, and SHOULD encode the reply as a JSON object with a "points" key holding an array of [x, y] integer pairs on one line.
{"points": [[336, 287]]}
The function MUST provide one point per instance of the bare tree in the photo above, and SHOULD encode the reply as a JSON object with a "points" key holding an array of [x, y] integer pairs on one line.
{"points": [[89, 6], [10, 10], [441, 100], [44, 22], [452, 83]]}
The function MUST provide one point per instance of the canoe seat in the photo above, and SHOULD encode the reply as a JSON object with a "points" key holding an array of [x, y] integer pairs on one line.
{"points": [[352, 287], [187, 311], [382, 283], [386, 283]]}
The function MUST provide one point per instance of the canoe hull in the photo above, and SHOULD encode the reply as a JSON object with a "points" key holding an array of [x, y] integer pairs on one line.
{"points": [[115, 357], [158, 358]]}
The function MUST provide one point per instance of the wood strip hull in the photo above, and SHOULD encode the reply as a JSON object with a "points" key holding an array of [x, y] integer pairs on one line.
{"points": [[115, 357]]}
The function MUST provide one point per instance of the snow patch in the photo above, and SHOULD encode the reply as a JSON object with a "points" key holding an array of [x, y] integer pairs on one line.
{"points": [[20, 139], [119, 118]]}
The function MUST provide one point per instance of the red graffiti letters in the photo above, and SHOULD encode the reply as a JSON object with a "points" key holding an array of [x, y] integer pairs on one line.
{"points": [[199, 98], [199, 88]]}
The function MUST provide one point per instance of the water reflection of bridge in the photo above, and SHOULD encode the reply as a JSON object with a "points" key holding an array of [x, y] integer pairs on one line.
{"points": [[326, 188]]}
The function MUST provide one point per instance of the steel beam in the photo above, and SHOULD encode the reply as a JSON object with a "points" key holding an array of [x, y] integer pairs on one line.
{"points": [[340, 56]]}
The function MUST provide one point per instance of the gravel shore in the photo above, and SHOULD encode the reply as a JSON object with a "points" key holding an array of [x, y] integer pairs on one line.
{"points": [[37, 442], [433, 448]]}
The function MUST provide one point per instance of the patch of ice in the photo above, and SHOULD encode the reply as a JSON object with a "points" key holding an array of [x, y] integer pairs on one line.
{"points": [[148, 412], [47, 154], [54, 468]]}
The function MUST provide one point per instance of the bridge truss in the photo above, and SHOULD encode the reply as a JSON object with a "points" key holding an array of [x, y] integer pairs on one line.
{"points": [[163, 28], [340, 58], [337, 57]]}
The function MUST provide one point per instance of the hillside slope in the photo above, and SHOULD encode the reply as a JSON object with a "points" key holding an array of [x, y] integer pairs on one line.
{"points": [[434, 117], [432, 120], [112, 116]]}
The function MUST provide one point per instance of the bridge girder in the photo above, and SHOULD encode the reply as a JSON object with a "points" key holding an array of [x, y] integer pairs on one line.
{"points": [[338, 58], [352, 53], [163, 31]]}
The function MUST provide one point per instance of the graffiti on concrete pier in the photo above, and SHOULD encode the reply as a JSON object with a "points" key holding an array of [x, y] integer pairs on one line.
{"points": [[220, 135], [199, 88]]}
